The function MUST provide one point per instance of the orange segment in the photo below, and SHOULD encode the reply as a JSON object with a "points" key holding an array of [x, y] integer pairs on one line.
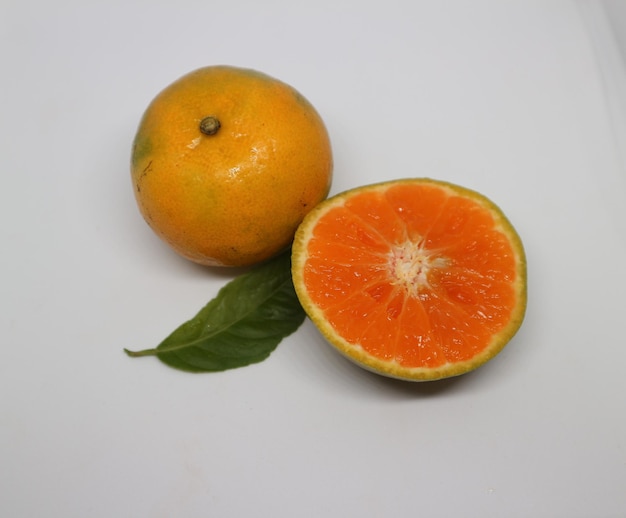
{"points": [[416, 279]]}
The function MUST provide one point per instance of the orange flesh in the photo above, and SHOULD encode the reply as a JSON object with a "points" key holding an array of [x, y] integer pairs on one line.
{"points": [[414, 274]]}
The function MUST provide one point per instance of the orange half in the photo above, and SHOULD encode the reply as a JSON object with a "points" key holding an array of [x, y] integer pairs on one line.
{"points": [[415, 279]]}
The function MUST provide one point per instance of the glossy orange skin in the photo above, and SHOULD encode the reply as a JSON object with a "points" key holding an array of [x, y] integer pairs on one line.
{"points": [[234, 198]]}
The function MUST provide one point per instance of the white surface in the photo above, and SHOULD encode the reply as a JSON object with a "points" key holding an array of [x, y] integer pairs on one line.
{"points": [[517, 99]]}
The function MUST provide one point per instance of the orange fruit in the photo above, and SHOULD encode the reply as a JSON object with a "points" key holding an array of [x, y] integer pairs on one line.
{"points": [[226, 162], [415, 279]]}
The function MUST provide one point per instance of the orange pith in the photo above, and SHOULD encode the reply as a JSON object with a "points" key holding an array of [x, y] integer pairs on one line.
{"points": [[234, 197], [416, 279]]}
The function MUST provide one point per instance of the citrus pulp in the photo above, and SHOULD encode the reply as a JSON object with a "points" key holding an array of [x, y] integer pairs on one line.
{"points": [[415, 279]]}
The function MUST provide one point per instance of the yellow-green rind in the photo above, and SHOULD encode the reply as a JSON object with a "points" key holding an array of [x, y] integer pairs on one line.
{"points": [[355, 352]]}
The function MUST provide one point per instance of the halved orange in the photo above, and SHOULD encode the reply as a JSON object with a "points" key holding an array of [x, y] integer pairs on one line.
{"points": [[416, 279]]}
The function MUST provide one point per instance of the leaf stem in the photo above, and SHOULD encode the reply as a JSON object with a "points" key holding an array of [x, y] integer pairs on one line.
{"points": [[138, 354]]}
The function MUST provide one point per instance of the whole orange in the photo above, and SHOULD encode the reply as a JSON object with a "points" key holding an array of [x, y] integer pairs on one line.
{"points": [[226, 163]]}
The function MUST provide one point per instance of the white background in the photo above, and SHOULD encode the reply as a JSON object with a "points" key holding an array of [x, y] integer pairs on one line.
{"points": [[520, 100]]}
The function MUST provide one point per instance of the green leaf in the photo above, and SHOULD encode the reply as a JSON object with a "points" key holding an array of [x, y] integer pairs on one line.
{"points": [[242, 325]]}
